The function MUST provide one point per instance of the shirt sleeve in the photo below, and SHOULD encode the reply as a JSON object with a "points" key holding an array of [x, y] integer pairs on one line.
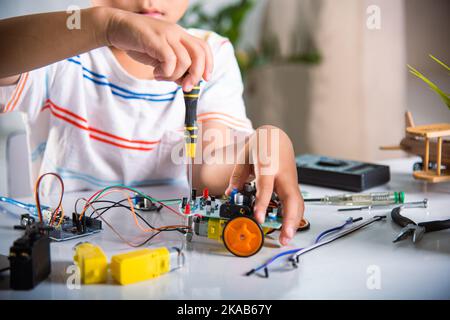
{"points": [[29, 94], [221, 98]]}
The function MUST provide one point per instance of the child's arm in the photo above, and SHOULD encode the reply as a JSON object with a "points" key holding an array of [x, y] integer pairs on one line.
{"points": [[268, 156], [34, 41]]}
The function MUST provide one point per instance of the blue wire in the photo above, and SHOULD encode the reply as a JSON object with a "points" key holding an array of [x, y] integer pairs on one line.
{"points": [[327, 232], [265, 265], [31, 208], [293, 251]]}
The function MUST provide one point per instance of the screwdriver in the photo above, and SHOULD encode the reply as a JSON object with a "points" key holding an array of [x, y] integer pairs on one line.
{"points": [[415, 204], [361, 199], [191, 129]]}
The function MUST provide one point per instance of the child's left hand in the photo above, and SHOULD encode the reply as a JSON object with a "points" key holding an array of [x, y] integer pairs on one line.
{"points": [[269, 156]]}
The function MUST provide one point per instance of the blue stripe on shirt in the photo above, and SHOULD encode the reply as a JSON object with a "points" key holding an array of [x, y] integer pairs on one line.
{"points": [[131, 94], [39, 151], [95, 74]]}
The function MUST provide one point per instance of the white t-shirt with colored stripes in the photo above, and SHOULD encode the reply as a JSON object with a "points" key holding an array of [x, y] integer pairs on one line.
{"points": [[96, 125]]}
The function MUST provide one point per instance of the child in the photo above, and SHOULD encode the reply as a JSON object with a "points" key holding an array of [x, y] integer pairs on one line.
{"points": [[101, 105]]}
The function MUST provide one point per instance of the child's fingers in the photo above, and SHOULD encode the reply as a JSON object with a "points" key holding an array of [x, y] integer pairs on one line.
{"points": [[167, 60], [239, 177], [183, 61], [209, 61], [292, 214], [198, 57], [264, 190]]}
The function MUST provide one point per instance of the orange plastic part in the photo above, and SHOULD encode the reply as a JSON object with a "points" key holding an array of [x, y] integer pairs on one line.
{"points": [[303, 225], [243, 236]]}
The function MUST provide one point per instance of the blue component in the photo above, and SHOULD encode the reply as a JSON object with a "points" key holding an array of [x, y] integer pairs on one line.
{"points": [[232, 194], [31, 208], [272, 216], [137, 199]]}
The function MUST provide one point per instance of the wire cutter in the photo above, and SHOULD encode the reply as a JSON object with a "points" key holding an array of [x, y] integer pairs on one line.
{"points": [[416, 230]]}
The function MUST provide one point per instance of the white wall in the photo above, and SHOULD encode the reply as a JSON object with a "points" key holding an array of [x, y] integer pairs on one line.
{"points": [[427, 32]]}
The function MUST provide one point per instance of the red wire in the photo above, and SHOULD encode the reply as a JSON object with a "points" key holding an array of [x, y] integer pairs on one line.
{"points": [[38, 200]]}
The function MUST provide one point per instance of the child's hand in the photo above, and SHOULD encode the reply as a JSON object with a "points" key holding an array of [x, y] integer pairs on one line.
{"points": [[176, 55], [269, 156]]}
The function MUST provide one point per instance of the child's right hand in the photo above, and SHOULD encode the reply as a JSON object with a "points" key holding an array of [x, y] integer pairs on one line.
{"points": [[175, 54]]}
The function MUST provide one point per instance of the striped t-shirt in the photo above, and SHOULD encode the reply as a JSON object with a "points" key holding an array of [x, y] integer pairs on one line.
{"points": [[96, 125]]}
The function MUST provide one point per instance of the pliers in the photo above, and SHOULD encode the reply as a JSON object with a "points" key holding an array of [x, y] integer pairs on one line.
{"points": [[416, 230]]}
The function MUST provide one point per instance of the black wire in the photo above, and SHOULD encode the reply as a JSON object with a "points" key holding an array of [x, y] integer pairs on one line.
{"points": [[118, 204], [151, 238], [113, 205]]}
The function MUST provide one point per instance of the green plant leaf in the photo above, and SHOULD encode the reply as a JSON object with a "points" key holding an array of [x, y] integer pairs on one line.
{"points": [[227, 22], [445, 97], [440, 62]]}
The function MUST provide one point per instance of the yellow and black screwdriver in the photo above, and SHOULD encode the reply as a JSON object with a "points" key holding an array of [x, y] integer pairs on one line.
{"points": [[191, 129]]}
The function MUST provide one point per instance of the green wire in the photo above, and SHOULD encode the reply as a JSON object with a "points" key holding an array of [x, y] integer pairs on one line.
{"points": [[138, 192], [170, 200]]}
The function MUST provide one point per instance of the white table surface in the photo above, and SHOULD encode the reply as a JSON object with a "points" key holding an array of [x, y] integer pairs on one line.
{"points": [[340, 270]]}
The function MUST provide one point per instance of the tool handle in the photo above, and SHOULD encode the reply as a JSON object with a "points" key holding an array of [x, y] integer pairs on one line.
{"points": [[190, 121], [191, 100], [191, 112], [399, 219], [436, 225]]}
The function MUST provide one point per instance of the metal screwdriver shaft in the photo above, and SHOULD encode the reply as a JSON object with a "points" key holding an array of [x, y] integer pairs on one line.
{"points": [[191, 130]]}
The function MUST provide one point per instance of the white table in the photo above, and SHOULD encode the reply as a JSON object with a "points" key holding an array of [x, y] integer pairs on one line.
{"points": [[347, 268]]}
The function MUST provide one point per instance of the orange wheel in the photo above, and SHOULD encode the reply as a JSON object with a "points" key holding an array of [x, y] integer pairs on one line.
{"points": [[243, 236]]}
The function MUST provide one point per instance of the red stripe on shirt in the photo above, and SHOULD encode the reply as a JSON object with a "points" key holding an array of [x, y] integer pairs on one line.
{"points": [[206, 115], [90, 129], [119, 145], [17, 93], [65, 111]]}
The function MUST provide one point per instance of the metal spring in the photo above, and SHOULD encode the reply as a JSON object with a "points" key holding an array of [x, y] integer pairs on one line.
{"points": [[382, 197]]}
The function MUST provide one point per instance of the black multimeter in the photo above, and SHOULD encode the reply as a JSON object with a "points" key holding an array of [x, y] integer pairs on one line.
{"points": [[340, 174]]}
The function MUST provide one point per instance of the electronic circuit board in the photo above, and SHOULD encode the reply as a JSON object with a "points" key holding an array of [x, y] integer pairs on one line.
{"points": [[200, 210], [70, 228], [68, 232]]}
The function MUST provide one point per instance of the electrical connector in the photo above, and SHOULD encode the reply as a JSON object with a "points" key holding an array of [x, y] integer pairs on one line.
{"points": [[145, 204]]}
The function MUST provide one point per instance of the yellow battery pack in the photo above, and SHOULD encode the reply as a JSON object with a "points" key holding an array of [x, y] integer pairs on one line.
{"points": [[140, 265], [92, 263]]}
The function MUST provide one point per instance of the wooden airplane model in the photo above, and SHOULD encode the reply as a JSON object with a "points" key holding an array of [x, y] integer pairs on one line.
{"points": [[427, 141]]}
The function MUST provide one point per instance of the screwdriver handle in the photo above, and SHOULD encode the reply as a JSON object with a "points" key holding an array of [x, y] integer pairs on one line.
{"points": [[190, 123]]}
